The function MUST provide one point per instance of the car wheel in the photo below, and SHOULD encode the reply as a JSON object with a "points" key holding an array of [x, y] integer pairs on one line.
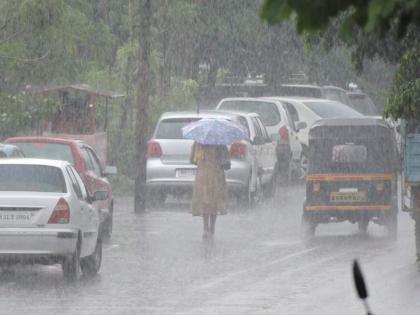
{"points": [[392, 225], [90, 265], [156, 199], [109, 223], [248, 198], [303, 165], [363, 224], [308, 226], [71, 264], [271, 187]]}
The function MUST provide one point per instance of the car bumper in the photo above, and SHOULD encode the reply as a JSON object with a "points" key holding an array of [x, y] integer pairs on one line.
{"points": [[36, 243], [162, 177]]}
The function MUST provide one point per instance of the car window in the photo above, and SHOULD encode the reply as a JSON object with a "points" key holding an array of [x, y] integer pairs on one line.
{"points": [[332, 94], [268, 111], [16, 153], [74, 183], [257, 127], [292, 115], [79, 182], [243, 122], [263, 129], [43, 150], [307, 91], [331, 109], [87, 159], [363, 104], [172, 128], [39, 178], [95, 162]]}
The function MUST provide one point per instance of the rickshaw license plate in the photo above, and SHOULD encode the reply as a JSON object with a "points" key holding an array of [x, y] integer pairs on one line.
{"points": [[348, 196]]}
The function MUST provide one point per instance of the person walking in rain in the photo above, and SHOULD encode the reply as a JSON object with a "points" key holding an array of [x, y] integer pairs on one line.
{"points": [[209, 192]]}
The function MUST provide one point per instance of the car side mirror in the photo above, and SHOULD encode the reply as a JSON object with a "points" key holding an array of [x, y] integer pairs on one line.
{"points": [[300, 125], [110, 170], [258, 140], [99, 195]]}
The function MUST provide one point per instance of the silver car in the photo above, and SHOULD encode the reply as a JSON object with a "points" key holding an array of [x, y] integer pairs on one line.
{"points": [[169, 170], [46, 217]]}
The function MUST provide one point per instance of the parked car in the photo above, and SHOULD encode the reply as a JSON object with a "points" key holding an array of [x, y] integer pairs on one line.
{"points": [[169, 170], [363, 104], [280, 126], [310, 110], [86, 163], [46, 217], [330, 92], [10, 151]]}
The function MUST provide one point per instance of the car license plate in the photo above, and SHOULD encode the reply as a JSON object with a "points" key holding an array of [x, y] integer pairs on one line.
{"points": [[348, 196], [185, 173], [16, 217]]}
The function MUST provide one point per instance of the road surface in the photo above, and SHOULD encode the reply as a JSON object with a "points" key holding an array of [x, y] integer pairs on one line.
{"points": [[157, 263]]}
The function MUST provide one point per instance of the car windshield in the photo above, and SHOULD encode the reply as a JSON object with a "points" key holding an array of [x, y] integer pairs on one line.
{"points": [[268, 112], [39, 178], [44, 150], [172, 128], [331, 109], [363, 104], [307, 91]]}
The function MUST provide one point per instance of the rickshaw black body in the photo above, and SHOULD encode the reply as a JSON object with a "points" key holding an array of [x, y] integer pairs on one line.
{"points": [[352, 174]]}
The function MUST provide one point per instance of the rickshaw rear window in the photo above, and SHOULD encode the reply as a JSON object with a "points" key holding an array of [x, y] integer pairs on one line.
{"points": [[349, 153]]}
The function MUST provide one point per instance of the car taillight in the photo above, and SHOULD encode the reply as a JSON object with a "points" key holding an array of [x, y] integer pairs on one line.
{"points": [[61, 213], [238, 151], [153, 149], [284, 135]]}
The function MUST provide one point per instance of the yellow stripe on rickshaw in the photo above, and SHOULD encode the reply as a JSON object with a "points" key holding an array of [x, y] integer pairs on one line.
{"points": [[348, 177], [347, 207]]}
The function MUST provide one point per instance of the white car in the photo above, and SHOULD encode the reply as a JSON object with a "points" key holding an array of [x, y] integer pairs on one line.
{"points": [[170, 172], [279, 125], [46, 217], [310, 110]]}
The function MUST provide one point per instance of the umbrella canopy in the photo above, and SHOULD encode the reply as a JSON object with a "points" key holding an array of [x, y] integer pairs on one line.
{"points": [[214, 131]]}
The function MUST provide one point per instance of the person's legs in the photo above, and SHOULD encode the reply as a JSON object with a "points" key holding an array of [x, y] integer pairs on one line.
{"points": [[212, 223], [206, 229]]}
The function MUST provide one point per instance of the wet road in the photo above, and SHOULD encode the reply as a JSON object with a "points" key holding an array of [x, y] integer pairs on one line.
{"points": [[156, 263]]}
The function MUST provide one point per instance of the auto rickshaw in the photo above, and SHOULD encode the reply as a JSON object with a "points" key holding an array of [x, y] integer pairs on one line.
{"points": [[352, 174]]}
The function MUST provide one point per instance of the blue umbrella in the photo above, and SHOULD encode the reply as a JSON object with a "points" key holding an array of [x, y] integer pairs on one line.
{"points": [[214, 131]]}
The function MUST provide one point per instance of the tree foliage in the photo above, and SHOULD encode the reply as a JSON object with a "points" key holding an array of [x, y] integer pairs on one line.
{"points": [[404, 99], [370, 14]]}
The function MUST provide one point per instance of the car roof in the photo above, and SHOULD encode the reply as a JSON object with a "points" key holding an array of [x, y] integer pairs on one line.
{"points": [[30, 161], [334, 87], [297, 98], [314, 86], [359, 121], [44, 139], [201, 114]]}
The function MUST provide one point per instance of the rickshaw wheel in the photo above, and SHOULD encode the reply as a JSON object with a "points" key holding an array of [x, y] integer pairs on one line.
{"points": [[308, 226], [391, 224], [363, 225]]}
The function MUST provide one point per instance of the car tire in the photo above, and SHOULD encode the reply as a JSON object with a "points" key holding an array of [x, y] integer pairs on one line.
{"points": [[308, 226], [363, 224], [90, 265], [71, 264], [270, 188], [156, 199], [391, 224], [109, 223], [249, 199]]}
